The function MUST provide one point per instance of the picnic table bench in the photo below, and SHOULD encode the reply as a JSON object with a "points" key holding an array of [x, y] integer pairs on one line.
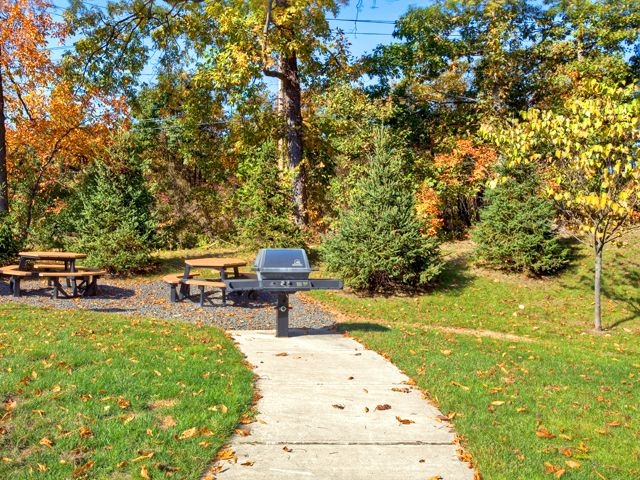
{"points": [[180, 283]]}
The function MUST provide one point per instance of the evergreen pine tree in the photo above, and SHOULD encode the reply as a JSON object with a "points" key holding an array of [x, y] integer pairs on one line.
{"points": [[115, 227], [516, 230], [377, 243]]}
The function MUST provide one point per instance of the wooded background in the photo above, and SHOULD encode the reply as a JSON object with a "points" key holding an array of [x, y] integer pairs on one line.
{"points": [[93, 157]]}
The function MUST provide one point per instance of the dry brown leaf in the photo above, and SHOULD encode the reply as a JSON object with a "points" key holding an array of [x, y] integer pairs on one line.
{"points": [[227, 454], [287, 449], [464, 387], [401, 390], [143, 457], [219, 408], [191, 432], [241, 432], [82, 469], [248, 464], [339, 406], [44, 441], [144, 473], [384, 407], [85, 432], [573, 464], [404, 421], [283, 354], [542, 432]]}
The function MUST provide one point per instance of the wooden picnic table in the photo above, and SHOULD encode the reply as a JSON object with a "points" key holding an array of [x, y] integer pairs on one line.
{"points": [[83, 281], [68, 258], [221, 264]]}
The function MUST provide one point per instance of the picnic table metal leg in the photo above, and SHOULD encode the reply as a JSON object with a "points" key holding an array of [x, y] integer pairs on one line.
{"points": [[14, 286]]}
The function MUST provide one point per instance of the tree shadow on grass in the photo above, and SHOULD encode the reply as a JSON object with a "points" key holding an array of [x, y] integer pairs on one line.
{"points": [[361, 327], [620, 281]]}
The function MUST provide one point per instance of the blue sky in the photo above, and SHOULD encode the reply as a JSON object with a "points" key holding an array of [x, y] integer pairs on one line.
{"points": [[364, 37]]}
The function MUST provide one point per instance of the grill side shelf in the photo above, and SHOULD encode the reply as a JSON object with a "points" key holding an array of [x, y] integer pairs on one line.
{"points": [[243, 285], [325, 284]]}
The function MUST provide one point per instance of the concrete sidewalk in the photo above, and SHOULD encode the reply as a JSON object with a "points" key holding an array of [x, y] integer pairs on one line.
{"points": [[330, 409]]}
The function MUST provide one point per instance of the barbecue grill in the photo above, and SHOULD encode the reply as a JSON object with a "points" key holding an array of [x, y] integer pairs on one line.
{"points": [[281, 271]]}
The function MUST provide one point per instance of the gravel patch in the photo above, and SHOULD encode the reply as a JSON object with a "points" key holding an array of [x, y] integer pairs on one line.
{"points": [[151, 298]]}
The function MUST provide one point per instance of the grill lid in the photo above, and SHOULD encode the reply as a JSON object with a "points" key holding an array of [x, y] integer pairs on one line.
{"points": [[282, 263]]}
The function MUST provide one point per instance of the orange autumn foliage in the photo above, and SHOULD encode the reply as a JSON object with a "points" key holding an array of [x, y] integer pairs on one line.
{"points": [[53, 127], [460, 172]]}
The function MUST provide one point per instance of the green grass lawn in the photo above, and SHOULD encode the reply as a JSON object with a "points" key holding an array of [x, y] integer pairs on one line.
{"points": [[531, 391], [88, 395]]}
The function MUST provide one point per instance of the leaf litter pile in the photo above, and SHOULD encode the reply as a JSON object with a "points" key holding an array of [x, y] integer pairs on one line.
{"points": [[92, 396]]}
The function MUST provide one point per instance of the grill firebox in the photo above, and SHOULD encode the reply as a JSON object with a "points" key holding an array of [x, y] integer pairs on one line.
{"points": [[282, 271]]}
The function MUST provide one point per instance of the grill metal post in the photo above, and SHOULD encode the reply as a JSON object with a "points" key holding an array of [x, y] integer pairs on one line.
{"points": [[282, 316]]}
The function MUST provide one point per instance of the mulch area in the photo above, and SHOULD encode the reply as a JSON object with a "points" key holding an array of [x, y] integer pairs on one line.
{"points": [[151, 298]]}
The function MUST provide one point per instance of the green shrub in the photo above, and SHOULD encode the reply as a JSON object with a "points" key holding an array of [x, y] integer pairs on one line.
{"points": [[265, 214], [377, 243], [114, 226], [516, 231], [9, 245]]}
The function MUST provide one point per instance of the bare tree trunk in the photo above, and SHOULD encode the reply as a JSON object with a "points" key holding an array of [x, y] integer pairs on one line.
{"points": [[292, 100], [4, 177], [597, 313]]}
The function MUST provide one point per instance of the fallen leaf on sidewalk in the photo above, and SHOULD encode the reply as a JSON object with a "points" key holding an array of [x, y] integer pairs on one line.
{"points": [[248, 464], [339, 406], [404, 421], [283, 354], [384, 407], [401, 390], [287, 449]]}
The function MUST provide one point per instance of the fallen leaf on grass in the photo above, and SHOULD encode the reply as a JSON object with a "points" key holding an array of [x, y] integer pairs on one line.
{"points": [[497, 403], [384, 407], [542, 432], [143, 457], [464, 387], [144, 473], [219, 408], [44, 441], [573, 464], [551, 469], [82, 469], [191, 432], [404, 421], [85, 432]]}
